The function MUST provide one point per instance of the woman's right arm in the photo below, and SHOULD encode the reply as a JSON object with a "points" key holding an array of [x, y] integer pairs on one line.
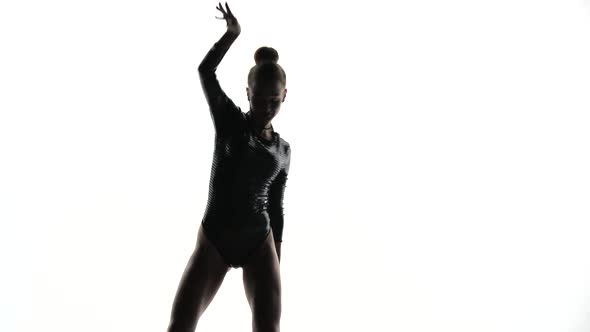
{"points": [[224, 113]]}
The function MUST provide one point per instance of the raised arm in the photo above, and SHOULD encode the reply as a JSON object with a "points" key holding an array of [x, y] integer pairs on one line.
{"points": [[224, 113]]}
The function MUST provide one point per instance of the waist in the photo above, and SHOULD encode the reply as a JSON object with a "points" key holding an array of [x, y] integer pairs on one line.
{"points": [[237, 220]]}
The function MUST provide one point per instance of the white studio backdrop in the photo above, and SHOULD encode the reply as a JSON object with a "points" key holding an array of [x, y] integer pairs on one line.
{"points": [[439, 177]]}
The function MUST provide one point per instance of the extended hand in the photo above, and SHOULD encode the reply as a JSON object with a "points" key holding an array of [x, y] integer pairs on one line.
{"points": [[232, 22]]}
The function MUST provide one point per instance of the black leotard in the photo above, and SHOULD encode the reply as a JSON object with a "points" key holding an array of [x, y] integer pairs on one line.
{"points": [[248, 174]]}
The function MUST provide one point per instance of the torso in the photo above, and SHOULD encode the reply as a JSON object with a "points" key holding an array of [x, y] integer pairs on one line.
{"points": [[244, 165]]}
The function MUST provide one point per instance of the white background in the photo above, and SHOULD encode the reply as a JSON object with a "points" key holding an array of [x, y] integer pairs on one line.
{"points": [[439, 176]]}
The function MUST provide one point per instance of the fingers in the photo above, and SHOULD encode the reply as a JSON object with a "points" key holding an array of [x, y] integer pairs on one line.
{"points": [[227, 13], [220, 7], [228, 10]]}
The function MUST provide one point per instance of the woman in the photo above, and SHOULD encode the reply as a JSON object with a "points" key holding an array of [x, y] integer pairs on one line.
{"points": [[243, 221]]}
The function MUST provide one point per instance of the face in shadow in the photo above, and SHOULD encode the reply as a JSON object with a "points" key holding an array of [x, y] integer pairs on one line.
{"points": [[265, 99]]}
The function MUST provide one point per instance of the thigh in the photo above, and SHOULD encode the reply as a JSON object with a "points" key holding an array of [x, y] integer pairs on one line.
{"points": [[200, 282], [262, 281]]}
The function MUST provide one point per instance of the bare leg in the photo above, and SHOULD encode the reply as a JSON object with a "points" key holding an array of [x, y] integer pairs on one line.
{"points": [[200, 282], [262, 283]]}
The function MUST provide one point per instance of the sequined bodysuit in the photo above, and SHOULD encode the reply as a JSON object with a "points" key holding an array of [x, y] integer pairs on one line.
{"points": [[248, 173]]}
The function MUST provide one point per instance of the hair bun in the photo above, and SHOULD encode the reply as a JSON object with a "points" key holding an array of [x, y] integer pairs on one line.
{"points": [[266, 54]]}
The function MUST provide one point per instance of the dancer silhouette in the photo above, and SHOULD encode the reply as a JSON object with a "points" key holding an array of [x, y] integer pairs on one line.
{"points": [[243, 222]]}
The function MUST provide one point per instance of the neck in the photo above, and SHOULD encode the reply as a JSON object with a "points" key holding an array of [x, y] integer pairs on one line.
{"points": [[261, 127]]}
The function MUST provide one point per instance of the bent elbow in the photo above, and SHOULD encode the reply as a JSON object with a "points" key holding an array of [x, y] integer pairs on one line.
{"points": [[204, 67]]}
